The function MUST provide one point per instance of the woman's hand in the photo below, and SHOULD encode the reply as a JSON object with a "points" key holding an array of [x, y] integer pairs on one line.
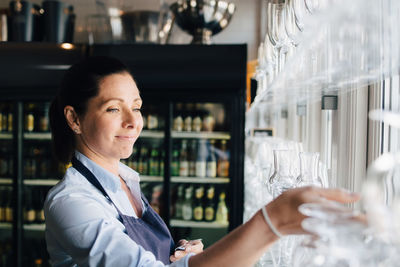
{"points": [[283, 211], [191, 246]]}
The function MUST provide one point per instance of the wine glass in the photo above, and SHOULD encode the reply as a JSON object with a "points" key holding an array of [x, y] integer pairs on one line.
{"points": [[276, 30], [300, 12], [285, 171], [309, 170]]}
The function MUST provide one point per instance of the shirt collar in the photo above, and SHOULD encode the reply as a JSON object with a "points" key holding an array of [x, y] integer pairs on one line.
{"points": [[106, 178]]}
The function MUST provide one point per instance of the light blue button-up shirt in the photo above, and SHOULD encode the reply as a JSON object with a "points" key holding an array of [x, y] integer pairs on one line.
{"points": [[82, 226]]}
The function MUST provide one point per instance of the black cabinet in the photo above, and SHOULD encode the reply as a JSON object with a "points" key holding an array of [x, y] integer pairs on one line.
{"points": [[190, 154]]}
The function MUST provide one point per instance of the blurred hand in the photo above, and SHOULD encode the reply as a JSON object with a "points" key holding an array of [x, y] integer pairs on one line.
{"points": [[191, 246], [283, 211]]}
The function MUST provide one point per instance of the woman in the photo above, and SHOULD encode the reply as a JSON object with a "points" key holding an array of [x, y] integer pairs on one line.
{"points": [[97, 216]]}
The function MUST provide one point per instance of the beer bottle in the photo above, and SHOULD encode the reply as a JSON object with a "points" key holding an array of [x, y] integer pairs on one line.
{"points": [[4, 162], [222, 210], [9, 209], [175, 162], [154, 164], [198, 210], [143, 161], [152, 120], [179, 202], [178, 120], [187, 120], [3, 201], [1, 118], [30, 117], [211, 161], [223, 161], [132, 161], [183, 160], [187, 211], [10, 118], [192, 152], [29, 211], [209, 208], [44, 118], [201, 159], [161, 159]]}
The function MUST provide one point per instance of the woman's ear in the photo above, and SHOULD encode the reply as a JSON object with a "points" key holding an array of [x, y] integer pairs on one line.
{"points": [[72, 119]]}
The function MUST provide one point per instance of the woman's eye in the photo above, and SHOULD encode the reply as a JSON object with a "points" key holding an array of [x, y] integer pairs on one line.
{"points": [[137, 109], [113, 110]]}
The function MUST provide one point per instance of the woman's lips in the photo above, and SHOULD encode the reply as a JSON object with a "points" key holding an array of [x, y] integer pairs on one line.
{"points": [[126, 137]]}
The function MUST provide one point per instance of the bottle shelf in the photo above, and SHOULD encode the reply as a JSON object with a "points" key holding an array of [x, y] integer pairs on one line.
{"points": [[37, 136], [201, 135], [40, 182], [147, 178], [5, 181], [193, 224], [199, 180], [6, 136], [35, 227], [6, 226], [152, 134]]}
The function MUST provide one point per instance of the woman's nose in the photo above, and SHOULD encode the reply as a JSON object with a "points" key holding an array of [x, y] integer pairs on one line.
{"points": [[131, 119]]}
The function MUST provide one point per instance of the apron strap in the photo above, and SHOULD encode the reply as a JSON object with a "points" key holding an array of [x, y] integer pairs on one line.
{"points": [[89, 176]]}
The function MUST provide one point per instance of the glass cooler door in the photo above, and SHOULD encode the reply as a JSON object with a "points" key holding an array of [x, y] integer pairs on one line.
{"points": [[199, 171]]}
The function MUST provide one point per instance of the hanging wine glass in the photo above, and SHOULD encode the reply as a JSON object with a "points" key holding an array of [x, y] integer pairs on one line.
{"points": [[291, 28], [276, 30], [300, 12], [312, 5]]}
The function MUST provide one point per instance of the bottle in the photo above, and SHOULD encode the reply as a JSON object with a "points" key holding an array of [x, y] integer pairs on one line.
{"points": [[43, 163], [161, 160], [9, 119], [198, 210], [201, 159], [38, 205], [29, 211], [179, 202], [178, 120], [208, 123], [4, 162], [183, 160], [2, 118], [222, 210], [192, 152], [132, 161], [187, 211], [211, 161], [155, 198], [209, 208], [3, 201], [152, 120], [29, 117], [143, 161], [9, 209], [44, 118], [187, 120], [175, 162], [196, 123], [223, 161], [154, 164]]}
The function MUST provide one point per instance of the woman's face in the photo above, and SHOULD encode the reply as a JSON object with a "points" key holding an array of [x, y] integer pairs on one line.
{"points": [[113, 121]]}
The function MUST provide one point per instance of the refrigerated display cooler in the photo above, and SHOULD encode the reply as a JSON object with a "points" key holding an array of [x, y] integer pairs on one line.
{"points": [[190, 154]]}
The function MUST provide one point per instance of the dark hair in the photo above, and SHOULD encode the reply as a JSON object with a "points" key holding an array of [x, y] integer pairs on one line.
{"points": [[79, 85]]}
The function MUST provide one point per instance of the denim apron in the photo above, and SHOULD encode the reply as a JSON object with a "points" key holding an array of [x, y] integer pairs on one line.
{"points": [[150, 231]]}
